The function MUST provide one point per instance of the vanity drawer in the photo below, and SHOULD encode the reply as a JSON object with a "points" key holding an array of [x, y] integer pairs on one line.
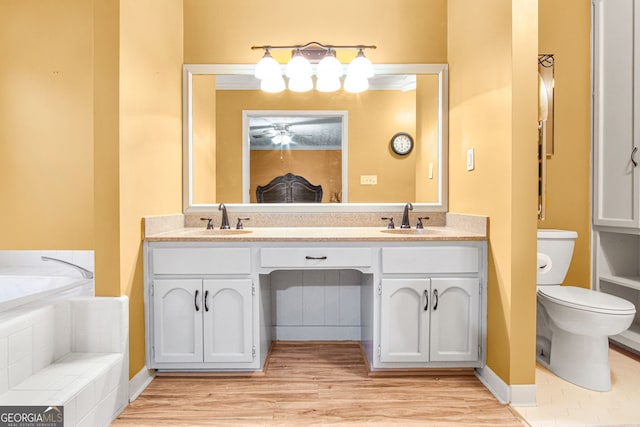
{"points": [[440, 259], [201, 261], [315, 257]]}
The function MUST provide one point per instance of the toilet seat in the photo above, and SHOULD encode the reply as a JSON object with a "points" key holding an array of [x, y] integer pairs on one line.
{"points": [[586, 299]]}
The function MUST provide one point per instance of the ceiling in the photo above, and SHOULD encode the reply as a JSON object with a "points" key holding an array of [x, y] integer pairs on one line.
{"points": [[301, 131]]}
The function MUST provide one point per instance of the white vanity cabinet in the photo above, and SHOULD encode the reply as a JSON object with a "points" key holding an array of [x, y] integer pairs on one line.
{"points": [[201, 309], [177, 321], [198, 321], [425, 320], [404, 319], [616, 146], [431, 306], [218, 305]]}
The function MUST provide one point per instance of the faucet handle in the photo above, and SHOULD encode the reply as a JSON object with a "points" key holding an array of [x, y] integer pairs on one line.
{"points": [[209, 223], [419, 224], [239, 225], [391, 225]]}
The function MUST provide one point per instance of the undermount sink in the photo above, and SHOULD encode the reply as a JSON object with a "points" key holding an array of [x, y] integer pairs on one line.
{"points": [[218, 232], [411, 231]]}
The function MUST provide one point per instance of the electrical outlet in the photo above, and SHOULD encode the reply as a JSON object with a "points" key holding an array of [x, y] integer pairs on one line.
{"points": [[368, 179], [471, 163], [430, 170]]}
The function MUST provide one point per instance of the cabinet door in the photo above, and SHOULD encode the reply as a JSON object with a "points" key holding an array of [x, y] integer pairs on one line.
{"points": [[177, 320], [455, 319], [616, 123], [404, 317], [228, 320]]}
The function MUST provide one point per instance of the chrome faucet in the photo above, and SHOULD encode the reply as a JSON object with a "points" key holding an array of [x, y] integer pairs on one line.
{"points": [[85, 273], [405, 216], [225, 218]]}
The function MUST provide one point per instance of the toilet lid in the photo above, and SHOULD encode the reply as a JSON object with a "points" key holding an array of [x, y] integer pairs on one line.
{"points": [[586, 299]]}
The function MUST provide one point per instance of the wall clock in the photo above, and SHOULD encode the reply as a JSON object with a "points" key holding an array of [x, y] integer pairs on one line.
{"points": [[402, 143]]}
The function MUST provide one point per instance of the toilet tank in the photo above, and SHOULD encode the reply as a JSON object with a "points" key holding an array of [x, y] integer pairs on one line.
{"points": [[555, 249]]}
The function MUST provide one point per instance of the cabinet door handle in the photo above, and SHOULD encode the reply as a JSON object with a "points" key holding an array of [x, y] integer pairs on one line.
{"points": [[195, 301], [435, 297], [206, 295], [426, 297], [633, 156], [315, 257]]}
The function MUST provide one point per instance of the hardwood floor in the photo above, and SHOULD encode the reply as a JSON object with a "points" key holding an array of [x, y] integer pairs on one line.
{"points": [[317, 384]]}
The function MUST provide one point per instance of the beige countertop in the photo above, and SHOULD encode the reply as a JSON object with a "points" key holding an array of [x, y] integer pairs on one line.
{"points": [[313, 234]]}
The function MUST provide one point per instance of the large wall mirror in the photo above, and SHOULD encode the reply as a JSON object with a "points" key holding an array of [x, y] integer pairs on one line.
{"points": [[237, 138]]}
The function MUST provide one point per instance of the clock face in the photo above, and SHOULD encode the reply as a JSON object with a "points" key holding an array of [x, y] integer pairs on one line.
{"points": [[402, 143]]}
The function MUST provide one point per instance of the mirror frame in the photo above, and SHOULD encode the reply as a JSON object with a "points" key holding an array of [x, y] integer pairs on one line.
{"points": [[441, 205]]}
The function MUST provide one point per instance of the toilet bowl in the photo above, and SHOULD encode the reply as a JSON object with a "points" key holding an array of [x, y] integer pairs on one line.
{"points": [[574, 324]]}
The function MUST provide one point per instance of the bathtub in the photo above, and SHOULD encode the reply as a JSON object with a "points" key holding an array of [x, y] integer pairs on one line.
{"points": [[18, 288]]}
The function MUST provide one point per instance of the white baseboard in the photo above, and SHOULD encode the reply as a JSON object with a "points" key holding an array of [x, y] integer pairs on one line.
{"points": [[139, 382], [493, 383], [515, 395], [523, 395]]}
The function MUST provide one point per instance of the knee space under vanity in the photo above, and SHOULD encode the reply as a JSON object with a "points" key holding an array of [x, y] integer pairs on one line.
{"points": [[316, 304]]}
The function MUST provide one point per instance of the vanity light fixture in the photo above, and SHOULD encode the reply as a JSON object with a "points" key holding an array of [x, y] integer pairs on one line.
{"points": [[329, 72], [299, 70], [268, 72], [267, 66], [273, 84], [299, 73]]}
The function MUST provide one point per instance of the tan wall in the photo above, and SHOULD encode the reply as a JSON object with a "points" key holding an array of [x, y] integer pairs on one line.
{"points": [[406, 31], [368, 144], [564, 32], [46, 125], [493, 88], [150, 140], [106, 134]]}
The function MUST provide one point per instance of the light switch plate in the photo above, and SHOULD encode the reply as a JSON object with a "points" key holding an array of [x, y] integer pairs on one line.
{"points": [[471, 163]]}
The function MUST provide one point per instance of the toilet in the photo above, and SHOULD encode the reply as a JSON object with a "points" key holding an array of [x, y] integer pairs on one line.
{"points": [[574, 324]]}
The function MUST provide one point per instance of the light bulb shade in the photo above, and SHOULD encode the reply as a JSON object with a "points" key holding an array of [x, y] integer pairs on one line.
{"points": [[361, 66], [273, 84], [301, 84], [327, 84], [281, 139], [267, 67], [355, 84], [298, 67], [329, 66]]}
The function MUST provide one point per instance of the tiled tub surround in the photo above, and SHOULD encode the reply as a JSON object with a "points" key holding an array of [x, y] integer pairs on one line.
{"points": [[59, 345], [73, 353], [330, 279]]}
